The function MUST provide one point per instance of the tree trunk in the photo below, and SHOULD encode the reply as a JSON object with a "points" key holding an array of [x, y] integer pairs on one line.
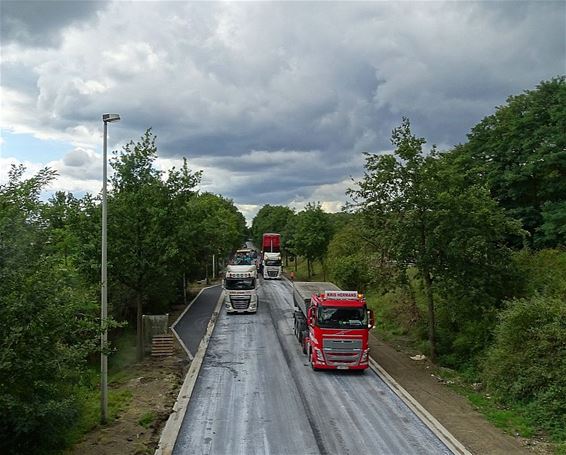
{"points": [[309, 268], [431, 321], [184, 288], [428, 291], [139, 350]]}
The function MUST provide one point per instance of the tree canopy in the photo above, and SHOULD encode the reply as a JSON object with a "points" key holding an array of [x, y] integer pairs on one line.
{"points": [[520, 152]]}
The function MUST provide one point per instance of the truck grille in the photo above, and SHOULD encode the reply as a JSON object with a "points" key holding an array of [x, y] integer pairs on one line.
{"points": [[342, 351], [240, 303], [272, 273]]}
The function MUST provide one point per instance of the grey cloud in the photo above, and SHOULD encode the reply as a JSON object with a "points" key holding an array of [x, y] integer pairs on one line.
{"points": [[76, 158], [81, 164], [309, 88], [39, 22]]}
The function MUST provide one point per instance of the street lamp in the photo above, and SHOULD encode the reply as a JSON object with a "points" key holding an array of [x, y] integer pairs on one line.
{"points": [[106, 118]]}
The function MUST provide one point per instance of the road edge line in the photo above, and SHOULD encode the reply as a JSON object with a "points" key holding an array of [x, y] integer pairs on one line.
{"points": [[173, 425], [426, 417]]}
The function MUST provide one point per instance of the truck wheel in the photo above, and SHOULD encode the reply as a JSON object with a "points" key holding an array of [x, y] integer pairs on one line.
{"points": [[311, 361]]}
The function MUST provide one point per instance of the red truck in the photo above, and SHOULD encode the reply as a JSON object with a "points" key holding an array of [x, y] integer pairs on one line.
{"points": [[271, 243], [332, 326]]}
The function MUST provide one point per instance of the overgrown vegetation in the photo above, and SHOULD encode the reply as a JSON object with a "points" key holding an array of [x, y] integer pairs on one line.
{"points": [[162, 233]]}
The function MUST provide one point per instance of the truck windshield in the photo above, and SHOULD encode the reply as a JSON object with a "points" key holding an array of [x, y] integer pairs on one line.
{"points": [[233, 284], [342, 318], [273, 262]]}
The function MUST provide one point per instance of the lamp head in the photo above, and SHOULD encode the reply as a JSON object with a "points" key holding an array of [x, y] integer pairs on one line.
{"points": [[107, 118]]}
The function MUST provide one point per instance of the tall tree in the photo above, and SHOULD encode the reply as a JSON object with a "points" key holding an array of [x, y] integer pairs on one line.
{"points": [[520, 151], [426, 216], [139, 249], [313, 232], [48, 322]]}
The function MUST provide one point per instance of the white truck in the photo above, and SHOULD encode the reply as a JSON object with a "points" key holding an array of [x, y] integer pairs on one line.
{"points": [[272, 266], [240, 289]]}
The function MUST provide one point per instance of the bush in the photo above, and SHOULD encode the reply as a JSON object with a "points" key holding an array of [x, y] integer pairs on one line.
{"points": [[527, 362], [545, 272]]}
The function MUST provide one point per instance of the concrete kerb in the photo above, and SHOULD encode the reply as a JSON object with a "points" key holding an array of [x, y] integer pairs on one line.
{"points": [[181, 342], [455, 446], [175, 420]]}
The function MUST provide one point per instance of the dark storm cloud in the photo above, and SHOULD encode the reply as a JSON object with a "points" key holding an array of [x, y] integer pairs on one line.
{"points": [[39, 22], [277, 101]]}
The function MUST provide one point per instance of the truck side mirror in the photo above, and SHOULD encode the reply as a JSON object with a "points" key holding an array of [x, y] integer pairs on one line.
{"points": [[371, 318], [310, 316]]}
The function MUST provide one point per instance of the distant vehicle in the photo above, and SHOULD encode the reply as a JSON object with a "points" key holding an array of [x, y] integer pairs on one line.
{"points": [[271, 243], [271, 267], [240, 289], [332, 326]]}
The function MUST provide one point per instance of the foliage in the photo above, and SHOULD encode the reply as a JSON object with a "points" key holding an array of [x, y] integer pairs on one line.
{"points": [[527, 362], [520, 152], [313, 232], [213, 226], [350, 259], [147, 419], [271, 218], [48, 322], [544, 272], [421, 212], [160, 232]]}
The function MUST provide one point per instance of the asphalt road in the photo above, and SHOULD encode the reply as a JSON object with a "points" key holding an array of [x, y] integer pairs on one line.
{"points": [[192, 326], [256, 394]]}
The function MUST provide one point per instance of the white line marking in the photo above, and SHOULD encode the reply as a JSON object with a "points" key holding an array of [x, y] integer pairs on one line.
{"points": [[426, 417]]}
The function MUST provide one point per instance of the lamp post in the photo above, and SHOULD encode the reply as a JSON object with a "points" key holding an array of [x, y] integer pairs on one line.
{"points": [[106, 118]]}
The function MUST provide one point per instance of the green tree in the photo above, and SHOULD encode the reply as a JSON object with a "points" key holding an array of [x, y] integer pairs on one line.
{"points": [[270, 218], [350, 258], [140, 247], [424, 216], [217, 228], [313, 232], [48, 322], [520, 151]]}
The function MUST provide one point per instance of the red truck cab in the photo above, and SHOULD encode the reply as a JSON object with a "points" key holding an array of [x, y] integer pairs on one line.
{"points": [[338, 329]]}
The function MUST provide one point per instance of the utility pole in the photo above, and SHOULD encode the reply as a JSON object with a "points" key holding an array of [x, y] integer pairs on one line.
{"points": [[106, 118]]}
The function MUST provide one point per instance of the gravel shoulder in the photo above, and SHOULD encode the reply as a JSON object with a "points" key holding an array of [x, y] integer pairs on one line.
{"points": [[453, 411]]}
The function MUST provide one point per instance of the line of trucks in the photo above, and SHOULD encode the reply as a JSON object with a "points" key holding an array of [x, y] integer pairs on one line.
{"points": [[331, 325]]}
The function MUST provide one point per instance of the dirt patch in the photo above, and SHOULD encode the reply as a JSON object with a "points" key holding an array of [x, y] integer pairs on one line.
{"points": [[455, 412], [136, 430]]}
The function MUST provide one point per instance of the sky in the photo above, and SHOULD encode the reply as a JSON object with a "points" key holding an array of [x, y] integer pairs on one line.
{"points": [[275, 101]]}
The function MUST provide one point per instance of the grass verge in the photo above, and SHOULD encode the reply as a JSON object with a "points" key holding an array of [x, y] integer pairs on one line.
{"points": [[88, 393]]}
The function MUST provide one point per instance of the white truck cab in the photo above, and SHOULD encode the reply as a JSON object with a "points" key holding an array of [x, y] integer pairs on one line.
{"points": [[272, 266], [240, 289]]}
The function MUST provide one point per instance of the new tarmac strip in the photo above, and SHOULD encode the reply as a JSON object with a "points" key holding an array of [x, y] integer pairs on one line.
{"points": [[256, 394], [192, 325]]}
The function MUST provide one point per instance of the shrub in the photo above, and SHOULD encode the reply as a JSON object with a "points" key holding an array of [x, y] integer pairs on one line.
{"points": [[527, 362]]}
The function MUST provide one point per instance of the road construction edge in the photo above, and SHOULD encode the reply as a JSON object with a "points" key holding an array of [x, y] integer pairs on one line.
{"points": [[455, 446], [175, 420]]}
